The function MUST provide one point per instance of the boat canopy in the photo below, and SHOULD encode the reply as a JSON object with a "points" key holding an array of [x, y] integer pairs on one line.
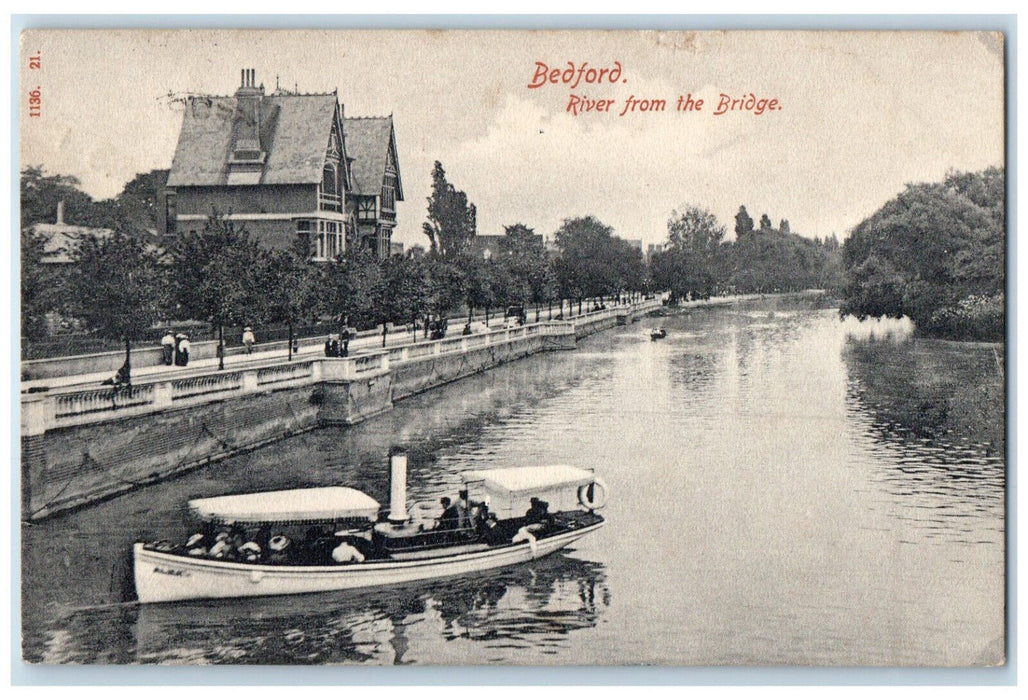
{"points": [[524, 480], [329, 504]]}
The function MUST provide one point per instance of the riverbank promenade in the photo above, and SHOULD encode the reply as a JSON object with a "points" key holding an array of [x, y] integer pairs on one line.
{"points": [[84, 441]]}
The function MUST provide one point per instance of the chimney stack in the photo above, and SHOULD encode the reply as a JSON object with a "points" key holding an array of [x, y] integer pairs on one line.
{"points": [[60, 213], [398, 488]]}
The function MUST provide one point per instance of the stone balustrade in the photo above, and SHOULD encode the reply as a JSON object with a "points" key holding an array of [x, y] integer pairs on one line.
{"points": [[45, 411]]}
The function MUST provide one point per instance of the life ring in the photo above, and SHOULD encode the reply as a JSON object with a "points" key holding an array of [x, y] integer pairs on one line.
{"points": [[593, 496]]}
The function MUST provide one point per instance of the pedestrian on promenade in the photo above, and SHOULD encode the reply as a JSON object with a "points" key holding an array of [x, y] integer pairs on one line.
{"points": [[346, 343], [249, 339], [168, 347], [178, 347], [182, 357]]}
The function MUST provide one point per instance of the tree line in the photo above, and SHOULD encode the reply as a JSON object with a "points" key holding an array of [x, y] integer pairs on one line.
{"points": [[697, 261], [120, 286]]}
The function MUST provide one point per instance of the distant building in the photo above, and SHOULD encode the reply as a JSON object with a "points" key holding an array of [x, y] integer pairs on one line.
{"points": [[282, 165], [485, 247], [396, 247], [652, 249], [490, 246], [60, 238], [635, 243]]}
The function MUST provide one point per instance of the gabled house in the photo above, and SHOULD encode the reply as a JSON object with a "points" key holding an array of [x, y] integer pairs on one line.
{"points": [[371, 144], [276, 163]]}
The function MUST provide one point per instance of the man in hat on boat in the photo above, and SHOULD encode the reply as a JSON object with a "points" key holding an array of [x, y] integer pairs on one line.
{"points": [[450, 519], [538, 511]]}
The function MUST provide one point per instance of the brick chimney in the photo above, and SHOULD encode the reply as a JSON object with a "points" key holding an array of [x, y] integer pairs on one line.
{"points": [[246, 147]]}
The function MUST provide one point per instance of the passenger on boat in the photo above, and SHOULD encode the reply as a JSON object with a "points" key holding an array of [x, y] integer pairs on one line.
{"points": [[263, 537], [538, 512], [316, 547], [464, 510], [278, 549], [481, 515], [249, 552], [450, 519], [346, 553], [490, 531], [222, 546], [194, 545]]}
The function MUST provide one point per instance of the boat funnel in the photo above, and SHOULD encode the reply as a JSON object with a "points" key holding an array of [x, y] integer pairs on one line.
{"points": [[398, 488]]}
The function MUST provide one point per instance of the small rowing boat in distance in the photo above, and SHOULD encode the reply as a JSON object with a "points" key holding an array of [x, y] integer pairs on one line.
{"points": [[658, 333], [507, 521]]}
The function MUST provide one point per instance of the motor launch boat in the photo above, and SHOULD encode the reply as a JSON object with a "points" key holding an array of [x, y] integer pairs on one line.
{"points": [[249, 544]]}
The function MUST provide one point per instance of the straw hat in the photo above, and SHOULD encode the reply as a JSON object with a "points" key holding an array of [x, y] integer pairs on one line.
{"points": [[278, 543]]}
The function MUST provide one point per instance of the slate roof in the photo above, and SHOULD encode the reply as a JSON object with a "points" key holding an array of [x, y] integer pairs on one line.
{"points": [[368, 142], [294, 133], [60, 240]]}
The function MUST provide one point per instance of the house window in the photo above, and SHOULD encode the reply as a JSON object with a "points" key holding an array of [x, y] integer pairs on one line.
{"points": [[303, 232], [328, 182], [388, 198], [170, 214]]}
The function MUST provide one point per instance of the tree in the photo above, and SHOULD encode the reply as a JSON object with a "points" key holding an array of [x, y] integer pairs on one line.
{"points": [[783, 226], [219, 275], [117, 286], [445, 285], [524, 255], [452, 219], [765, 223], [405, 289], [355, 288], [690, 261], [934, 253], [586, 263], [294, 287], [138, 206], [40, 286], [743, 223], [41, 193], [478, 291]]}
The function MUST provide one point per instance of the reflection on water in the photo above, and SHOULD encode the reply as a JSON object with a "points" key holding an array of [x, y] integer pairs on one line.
{"points": [[936, 409], [786, 488], [530, 608]]}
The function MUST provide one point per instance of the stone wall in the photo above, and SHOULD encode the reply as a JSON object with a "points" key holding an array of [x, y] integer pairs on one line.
{"points": [[78, 448], [69, 467]]}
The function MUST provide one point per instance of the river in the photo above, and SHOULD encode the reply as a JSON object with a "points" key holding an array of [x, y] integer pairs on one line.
{"points": [[787, 488]]}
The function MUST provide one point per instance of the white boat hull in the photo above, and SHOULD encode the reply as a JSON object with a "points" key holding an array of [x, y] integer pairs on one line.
{"points": [[163, 577]]}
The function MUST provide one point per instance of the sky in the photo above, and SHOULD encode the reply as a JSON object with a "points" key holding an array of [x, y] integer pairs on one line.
{"points": [[858, 115]]}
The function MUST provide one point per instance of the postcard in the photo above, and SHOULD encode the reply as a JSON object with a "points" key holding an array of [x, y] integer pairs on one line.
{"points": [[513, 348]]}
